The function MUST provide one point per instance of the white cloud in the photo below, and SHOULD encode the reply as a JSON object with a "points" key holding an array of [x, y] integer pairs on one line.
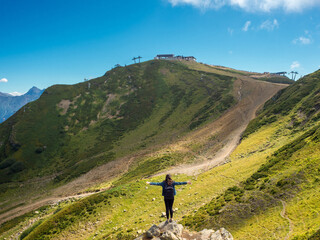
{"points": [[295, 65], [269, 5], [16, 94], [252, 5], [246, 26], [199, 3], [230, 31], [302, 40], [3, 80], [269, 25]]}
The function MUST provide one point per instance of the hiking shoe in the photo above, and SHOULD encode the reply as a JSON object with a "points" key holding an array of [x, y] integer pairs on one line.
{"points": [[167, 221], [171, 220]]}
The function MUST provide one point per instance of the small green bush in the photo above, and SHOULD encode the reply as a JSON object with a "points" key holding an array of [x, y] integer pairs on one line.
{"points": [[315, 236], [17, 167], [282, 182], [7, 163], [30, 229], [39, 150], [228, 197]]}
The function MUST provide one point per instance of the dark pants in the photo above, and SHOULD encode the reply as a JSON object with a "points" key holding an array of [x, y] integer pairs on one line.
{"points": [[169, 204]]}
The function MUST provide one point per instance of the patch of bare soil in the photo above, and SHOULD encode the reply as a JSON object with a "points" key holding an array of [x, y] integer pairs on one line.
{"points": [[64, 105], [111, 97]]}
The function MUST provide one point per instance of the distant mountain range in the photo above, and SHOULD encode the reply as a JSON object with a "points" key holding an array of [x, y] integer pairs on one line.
{"points": [[10, 103]]}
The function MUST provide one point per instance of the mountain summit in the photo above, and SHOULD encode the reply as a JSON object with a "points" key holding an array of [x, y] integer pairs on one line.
{"points": [[34, 91], [9, 103]]}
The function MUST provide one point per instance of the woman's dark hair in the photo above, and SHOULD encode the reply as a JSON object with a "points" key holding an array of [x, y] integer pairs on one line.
{"points": [[169, 179]]}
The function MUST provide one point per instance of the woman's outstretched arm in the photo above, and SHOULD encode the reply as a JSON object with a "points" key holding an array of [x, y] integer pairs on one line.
{"points": [[155, 183], [182, 183]]}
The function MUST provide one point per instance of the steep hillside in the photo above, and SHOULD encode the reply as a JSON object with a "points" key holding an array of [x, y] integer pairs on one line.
{"points": [[10, 104], [301, 97], [280, 199], [72, 129]]}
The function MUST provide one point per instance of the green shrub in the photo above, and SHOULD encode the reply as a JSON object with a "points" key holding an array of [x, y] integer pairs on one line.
{"points": [[315, 236], [234, 189], [17, 167], [7, 163], [249, 187], [30, 229], [228, 197], [39, 150], [282, 182], [125, 236]]}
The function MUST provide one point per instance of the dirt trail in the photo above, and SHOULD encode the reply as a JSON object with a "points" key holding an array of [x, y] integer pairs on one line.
{"points": [[103, 173], [251, 94], [283, 215], [97, 175], [47, 201]]}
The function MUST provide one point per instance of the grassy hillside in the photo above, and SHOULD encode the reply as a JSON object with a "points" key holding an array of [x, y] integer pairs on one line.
{"points": [[303, 96], [133, 208], [276, 79], [72, 129], [280, 198], [121, 212]]}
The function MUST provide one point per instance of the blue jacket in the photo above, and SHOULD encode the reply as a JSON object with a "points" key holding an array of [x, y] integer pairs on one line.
{"points": [[162, 184]]}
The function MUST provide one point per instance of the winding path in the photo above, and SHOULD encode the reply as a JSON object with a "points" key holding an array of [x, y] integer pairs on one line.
{"points": [[283, 215], [252, 94]]}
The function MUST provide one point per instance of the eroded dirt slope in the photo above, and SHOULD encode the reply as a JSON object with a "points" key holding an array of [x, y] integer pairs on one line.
{"points": [[228, 128]]}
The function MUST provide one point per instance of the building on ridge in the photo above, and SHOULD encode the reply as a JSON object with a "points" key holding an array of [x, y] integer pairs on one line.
{"points": [[280, 73], [172, 57], [165, 56]]}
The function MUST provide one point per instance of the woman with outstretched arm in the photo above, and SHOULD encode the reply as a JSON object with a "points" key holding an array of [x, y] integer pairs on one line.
{"points": [[168, 192]]}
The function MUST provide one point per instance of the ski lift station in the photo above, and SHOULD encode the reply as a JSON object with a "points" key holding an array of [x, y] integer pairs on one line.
{"points": [[173, 57]]}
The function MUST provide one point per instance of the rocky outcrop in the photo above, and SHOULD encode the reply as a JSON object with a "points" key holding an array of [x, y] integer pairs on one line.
{"points": [[221, 234], [175, 231]]}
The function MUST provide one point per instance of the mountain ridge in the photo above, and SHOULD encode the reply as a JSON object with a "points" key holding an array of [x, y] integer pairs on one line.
{"points": [[9, 103]]}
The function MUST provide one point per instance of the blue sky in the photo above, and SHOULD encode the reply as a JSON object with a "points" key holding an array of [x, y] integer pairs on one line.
{"points": [[47, 42]]}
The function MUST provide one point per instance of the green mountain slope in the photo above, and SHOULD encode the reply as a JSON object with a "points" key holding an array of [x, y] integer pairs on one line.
{"points": [[72, 129], [279, 200]]}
